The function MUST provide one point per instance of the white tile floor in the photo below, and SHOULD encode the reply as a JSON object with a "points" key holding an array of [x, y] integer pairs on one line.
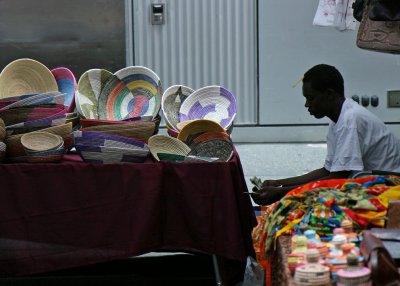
{"points": [[279, 160]]}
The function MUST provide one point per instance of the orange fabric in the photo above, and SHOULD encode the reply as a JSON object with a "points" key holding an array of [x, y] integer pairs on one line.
{"points": [[331, 183]]}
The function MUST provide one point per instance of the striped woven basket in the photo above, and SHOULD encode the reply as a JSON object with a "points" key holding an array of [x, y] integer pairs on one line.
{"points": [[136, 130]]}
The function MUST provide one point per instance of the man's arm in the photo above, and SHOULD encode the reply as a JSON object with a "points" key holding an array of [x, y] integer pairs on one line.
{"points": [[274, 190], [319, 174]]}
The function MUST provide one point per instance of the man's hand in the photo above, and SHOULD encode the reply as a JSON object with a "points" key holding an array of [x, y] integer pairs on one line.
{"points": [[271, 183], [268, 195]]}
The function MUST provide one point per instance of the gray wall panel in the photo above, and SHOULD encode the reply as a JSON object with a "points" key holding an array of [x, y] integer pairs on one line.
{"points": [[290, 44], [76, 34], [202, 43]]}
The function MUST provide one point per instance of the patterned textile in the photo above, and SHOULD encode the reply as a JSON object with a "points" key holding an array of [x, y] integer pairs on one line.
{"points": [[322, 205]]}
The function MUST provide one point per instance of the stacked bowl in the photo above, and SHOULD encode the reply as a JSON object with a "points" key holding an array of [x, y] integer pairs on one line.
{"points": [[100, 147], [180, 104], [42, 147], [125, 103], [33, 98]]}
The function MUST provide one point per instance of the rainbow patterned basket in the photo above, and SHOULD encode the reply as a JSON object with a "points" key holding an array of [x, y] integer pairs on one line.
{"points": [[132, 92]]}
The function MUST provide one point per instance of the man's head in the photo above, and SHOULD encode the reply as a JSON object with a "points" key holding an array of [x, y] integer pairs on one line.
{"points": [[323, 89]]}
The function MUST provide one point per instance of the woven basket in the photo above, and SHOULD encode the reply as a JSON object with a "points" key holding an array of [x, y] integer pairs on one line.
{"points": [[94, 138], [171, 101], [26, 114], [210, 102], [44, 159], [34, 125], [182, 124], [67, 84], [48, 156], [96, 122], [215, 148], [90, 85], [170, 157], [73, 118], [41, 141], [16, 150], [3, 148], [53, 97], [109, 155], [137, 129], [145, 86], [131, 92], [211, 135], [166, 144], [2, 130], [197, 127], [172, 132], [26, 76]]}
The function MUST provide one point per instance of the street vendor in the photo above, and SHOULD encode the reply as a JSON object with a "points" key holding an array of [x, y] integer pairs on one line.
{"points": [[357, 140]]}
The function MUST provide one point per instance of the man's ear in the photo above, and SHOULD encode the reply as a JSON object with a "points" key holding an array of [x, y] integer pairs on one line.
{"points": [[331, 94]]}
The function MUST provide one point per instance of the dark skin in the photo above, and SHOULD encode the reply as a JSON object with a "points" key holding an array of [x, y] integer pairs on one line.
{"points": [[320, 104]]}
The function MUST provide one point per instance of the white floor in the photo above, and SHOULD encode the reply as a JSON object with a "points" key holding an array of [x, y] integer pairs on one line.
{"points": [[279, 160]]}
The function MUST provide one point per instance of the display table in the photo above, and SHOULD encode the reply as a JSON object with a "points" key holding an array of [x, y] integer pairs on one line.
{"points": [[62, 215]]}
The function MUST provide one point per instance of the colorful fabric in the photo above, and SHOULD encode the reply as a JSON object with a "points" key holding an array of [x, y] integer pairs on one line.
{"points": [[322, 206]]}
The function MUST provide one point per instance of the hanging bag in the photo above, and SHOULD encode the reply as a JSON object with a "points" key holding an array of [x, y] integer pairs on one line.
{"points": [[385, 10], [358, 9], [380, 36]]}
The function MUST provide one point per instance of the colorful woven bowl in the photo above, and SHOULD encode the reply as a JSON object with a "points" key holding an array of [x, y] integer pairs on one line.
{"points": [[90, 86], [53, 97], [198, 127], [94, 138], [111, 155], [26, 119], [35, 118], [171, 102], [47, 156], [134, 91], [99, 147], [210, 102], [167, 145], [26, 76], [67, 84], [136, 129]]}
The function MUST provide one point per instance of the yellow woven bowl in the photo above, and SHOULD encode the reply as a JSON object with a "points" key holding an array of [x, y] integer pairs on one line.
{"points": [[41, 141], [26, 76], [15, 148], [197, 127]]}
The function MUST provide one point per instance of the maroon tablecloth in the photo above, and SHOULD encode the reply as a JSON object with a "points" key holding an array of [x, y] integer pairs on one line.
{"points": [[62, 215]]}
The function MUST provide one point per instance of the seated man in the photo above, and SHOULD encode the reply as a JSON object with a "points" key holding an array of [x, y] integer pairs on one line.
{"points": [[357, 140]]}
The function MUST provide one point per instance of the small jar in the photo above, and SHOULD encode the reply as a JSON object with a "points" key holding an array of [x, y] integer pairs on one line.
{"points": [[338, 240], [353, 274], [312, 240]]}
